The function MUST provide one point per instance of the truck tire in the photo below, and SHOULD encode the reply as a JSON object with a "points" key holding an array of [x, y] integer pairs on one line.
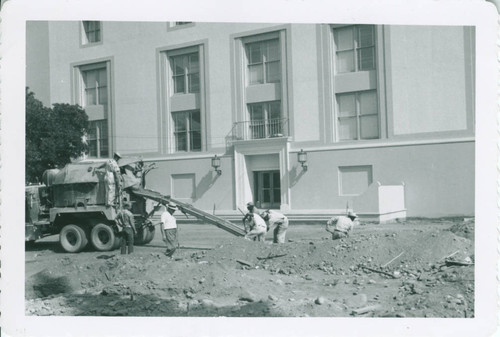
{"points": [[102, 237], [140, 237], [150, 235], [73, 239]]}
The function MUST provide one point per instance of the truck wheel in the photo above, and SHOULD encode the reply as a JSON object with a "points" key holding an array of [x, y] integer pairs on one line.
{"points": [[140, 238], [150, 234], [73, 239], [102, 237]]}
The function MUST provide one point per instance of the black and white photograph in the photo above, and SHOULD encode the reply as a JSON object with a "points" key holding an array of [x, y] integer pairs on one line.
{"points": [[270, 168]]}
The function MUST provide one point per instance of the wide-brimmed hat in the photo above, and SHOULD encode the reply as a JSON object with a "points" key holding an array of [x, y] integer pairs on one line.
{"points": [[172, 206], [265, 214], [351, 214], [250, 205]]}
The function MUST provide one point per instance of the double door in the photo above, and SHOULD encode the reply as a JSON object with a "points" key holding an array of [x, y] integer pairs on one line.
{"points": [[267, 189]]}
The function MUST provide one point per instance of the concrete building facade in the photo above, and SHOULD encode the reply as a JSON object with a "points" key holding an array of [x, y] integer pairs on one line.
{"points": [[384, 115]]}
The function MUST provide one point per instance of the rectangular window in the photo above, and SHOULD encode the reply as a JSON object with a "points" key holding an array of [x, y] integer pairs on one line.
{"points": [[356, 93], [185, 73], [265, 120], [97, 138], [354, 48], [95, 83], [93, 90], [92, 31], [264, 62], [358, 115], [187, 131]]}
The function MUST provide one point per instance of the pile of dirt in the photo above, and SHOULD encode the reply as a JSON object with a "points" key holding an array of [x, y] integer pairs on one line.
{"points": [[464, 228], [398, 272]]}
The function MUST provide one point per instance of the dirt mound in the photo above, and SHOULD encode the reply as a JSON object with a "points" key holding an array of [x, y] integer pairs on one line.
{"points": [[396, 271], [419, 250], [464, 229]]}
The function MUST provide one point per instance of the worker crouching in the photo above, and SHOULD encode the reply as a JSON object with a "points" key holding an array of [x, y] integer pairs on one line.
{"points": [[257, 226], [279, 222], [342, 225]]}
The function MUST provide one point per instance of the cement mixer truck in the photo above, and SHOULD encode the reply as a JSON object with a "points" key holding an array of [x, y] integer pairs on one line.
{"points": [[80, 203]]}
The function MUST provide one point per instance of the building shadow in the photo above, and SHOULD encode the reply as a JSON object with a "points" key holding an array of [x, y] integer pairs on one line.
{"points": [[295, 174], [205, 184]]}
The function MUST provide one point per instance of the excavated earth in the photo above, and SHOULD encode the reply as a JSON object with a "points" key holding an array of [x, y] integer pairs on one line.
{"points": [[417, 268]]}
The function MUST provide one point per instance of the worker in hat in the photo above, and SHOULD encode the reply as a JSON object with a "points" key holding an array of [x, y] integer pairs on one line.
{"points": [[258, 228], [113, 183], [342, 225], [169, 229], [125, 223], [248, 218], [278, 221], [255, 226]]}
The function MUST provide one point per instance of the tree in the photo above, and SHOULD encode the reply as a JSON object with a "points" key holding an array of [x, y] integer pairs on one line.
{"points": [[53, 136]]}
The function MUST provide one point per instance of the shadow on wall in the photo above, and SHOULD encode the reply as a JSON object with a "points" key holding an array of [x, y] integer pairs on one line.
{"points": [[204, 185], [294, 176]]}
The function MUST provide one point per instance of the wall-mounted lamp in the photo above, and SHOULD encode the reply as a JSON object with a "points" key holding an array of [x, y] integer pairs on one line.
{"points": [[302, 158], [216, 164]]}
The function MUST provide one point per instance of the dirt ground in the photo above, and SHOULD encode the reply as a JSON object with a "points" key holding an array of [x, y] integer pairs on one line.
{"points": [[392, 270]]}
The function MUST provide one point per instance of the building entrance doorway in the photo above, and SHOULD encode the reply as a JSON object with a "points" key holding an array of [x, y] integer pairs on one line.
{"points": [[267, 189]]}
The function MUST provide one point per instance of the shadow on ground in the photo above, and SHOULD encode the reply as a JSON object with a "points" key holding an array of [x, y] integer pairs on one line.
{"points": [[106, 304]]}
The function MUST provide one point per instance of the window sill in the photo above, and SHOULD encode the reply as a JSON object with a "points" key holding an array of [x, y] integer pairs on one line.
{"points": [[90, 44]]}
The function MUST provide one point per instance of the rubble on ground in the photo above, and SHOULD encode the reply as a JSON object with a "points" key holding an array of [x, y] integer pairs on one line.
{"points": [[373, 273]]}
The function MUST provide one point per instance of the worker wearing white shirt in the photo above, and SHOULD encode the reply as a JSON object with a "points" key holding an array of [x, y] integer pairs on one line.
{"points": [[343, 225], [169, 229], [280, 223], [258, 228]]}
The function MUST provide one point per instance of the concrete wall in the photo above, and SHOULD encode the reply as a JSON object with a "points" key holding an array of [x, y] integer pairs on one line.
{"points": [[438, 182], [439, 178], [209, 188], [133, 87], [428, 79], [37, 60], [304, 98], [133, 50], [429, 91]]}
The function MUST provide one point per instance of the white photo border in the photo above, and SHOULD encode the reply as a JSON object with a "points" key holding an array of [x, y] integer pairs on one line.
{"points": [[14, 15]]}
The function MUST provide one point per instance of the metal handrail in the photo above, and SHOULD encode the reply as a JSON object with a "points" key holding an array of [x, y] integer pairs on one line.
{"points": [[259, 129]]}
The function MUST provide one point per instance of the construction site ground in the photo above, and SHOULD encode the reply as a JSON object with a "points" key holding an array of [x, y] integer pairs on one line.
{"points": [[415, 268]]}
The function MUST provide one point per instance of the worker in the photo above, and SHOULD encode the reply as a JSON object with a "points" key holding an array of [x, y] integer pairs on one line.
{"points": [[114, 182], [110, 187], [343, 225], [111, 179], [169, 229], [258, 228], [251, 207], [125, 222], [248, 219], [280, 223], [117, 156]]}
